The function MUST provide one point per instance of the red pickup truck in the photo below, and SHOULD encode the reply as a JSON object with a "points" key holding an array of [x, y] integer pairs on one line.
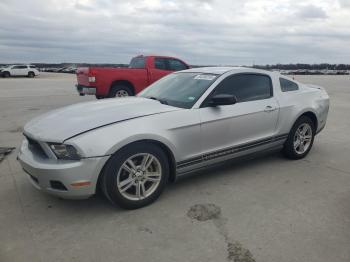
{"points": [[110, 82]]}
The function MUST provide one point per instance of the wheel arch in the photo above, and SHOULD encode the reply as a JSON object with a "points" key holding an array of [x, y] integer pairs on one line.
{"points": [[123, 82], [168, 152], [310, 114]]}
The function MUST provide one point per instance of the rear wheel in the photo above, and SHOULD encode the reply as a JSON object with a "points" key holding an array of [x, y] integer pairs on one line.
{"points": [[31, 74], [120, 91], [300, 138], [135, 176]]}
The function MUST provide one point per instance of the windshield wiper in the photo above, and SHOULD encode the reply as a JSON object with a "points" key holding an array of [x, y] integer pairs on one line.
{"points": [[162, 101]]}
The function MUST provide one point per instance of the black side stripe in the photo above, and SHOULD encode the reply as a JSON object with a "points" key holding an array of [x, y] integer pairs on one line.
{"points": [[229, 151]]}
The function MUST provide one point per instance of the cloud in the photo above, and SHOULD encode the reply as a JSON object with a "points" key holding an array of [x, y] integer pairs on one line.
{"points": [[311, 12], [200, 32], [344, 3]]}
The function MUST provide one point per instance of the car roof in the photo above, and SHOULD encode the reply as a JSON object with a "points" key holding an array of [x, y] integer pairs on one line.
{"points": [[218, 70]]}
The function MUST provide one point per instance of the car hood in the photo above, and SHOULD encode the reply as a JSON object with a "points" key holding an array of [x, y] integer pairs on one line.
{"points": [[63, 123]]}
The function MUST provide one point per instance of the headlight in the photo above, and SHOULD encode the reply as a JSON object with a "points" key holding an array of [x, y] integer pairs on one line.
{"points": [[67, 152]]}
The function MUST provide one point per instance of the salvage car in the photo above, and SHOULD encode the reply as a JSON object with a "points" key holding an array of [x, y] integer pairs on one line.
{"points": [[189, 120], [106, 82]]}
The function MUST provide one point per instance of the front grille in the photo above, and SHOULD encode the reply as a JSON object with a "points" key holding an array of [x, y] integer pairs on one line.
{"points": [[36, 148]]}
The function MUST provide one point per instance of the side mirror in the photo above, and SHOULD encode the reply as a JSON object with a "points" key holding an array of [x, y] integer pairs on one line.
{"points": [[222, 99]]}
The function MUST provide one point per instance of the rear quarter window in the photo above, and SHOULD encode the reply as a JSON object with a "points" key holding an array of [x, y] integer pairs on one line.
{"points": [[287, 85]]}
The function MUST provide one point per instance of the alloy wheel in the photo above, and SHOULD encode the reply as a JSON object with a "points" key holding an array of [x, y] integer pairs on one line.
{"points": [[139, 176], [302, 138]]}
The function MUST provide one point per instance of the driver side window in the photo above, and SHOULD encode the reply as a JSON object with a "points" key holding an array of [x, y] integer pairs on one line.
{"points": [[246, 87]]}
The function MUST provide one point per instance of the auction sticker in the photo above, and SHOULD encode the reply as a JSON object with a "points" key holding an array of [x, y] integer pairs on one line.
{"points": [[205, 77]]}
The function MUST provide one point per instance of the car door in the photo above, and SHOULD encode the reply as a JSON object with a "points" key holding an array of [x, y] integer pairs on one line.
{"points": [[248, 122], [16, 70], [20, 70]]}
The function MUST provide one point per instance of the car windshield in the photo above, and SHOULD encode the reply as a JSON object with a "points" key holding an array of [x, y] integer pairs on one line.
{"points": [[179, 89]]}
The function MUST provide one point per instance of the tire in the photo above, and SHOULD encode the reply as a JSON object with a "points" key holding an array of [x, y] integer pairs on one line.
{"points": [[31, 74], [6, 74], [119, 181], [298, 145], [120, 91], [99, 97]]}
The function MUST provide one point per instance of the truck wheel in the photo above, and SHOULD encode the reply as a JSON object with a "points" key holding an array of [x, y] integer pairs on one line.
{"points": [[120, 91], [300, 138], [31, 74], [6, 74], [135, 176]]}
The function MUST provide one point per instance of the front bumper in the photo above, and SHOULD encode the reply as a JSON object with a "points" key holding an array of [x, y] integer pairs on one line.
{"points": [[86, 90], [48, 175]]}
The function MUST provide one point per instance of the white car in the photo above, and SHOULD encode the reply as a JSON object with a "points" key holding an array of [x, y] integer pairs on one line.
{"points": [[19, 70], [131, 147]]}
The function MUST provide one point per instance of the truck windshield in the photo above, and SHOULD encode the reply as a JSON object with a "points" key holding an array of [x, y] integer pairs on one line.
{"points": [[179, 89], [137, 62]]}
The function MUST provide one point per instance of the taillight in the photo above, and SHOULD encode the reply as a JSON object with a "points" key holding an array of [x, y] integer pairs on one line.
{"points": [[91, 75]]}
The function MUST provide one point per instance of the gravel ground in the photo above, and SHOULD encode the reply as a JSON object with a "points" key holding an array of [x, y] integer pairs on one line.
{"points": [[265, 209]]}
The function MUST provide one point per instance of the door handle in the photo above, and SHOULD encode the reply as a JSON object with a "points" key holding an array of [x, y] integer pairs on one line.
{"points": [[269, 109]]}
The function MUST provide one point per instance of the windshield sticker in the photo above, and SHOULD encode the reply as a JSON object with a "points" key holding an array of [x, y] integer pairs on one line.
{"points": [[191, 98], [205, 77]]}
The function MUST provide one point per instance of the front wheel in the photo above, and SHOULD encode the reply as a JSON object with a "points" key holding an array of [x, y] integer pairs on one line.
{"points": [[135, 176], [6, 74], [300, 139]]}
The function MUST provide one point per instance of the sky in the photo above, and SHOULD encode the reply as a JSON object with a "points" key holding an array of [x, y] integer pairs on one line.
{"points": [[206, 32]]}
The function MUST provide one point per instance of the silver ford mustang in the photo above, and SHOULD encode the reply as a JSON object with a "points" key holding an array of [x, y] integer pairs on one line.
{"points": [[131, 147]]}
